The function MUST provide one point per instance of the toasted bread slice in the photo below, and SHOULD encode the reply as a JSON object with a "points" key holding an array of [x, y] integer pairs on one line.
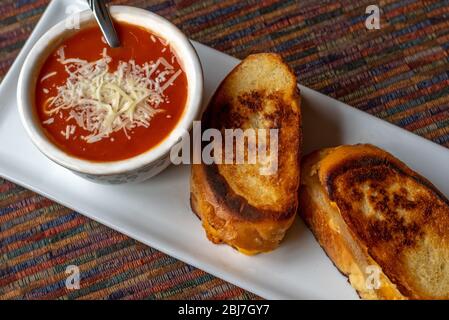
{"points": [[372, 214], [239, 204]]}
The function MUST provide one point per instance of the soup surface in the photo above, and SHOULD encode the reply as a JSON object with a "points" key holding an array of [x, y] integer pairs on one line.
{"points": [[107, 104]]}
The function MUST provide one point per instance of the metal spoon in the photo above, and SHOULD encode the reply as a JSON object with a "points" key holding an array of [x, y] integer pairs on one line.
{"points": [[101, 14]]}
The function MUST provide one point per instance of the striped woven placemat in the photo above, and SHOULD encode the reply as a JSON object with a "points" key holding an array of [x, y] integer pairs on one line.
{"points": [[399, 73]]}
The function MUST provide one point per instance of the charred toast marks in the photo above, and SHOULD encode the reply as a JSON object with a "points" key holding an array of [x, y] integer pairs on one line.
{"points": [[237, 204], [387, 215]]}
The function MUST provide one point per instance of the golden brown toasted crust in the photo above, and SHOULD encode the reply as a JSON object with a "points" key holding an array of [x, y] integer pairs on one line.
{"points": [[367, 208], [237, 204]]}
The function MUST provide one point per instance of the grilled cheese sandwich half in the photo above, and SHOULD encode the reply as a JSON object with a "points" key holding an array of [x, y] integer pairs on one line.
{"points": [[238, 203], [370, 212]]}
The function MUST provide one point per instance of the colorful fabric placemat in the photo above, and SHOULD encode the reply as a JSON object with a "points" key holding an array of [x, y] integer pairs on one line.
{"points": [[399, 73]]}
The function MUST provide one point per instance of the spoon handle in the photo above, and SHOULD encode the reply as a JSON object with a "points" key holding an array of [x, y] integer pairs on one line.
{"points": [[101, 13]]}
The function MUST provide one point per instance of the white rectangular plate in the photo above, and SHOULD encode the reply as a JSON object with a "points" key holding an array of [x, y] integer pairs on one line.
{"points": [[158, 213]]}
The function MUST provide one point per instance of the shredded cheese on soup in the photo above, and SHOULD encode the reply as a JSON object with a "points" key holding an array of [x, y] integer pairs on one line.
{"points": [[102, 102]]}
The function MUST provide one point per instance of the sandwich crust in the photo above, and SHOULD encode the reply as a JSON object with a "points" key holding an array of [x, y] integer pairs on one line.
{"points": [[368, 209], [236, 203]]}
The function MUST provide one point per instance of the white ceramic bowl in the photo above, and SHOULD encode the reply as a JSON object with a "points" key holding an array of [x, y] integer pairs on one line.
{"points": [[134, 169]]}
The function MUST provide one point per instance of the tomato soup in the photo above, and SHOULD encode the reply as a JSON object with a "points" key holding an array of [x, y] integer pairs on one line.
{"points": [[108, 104]]}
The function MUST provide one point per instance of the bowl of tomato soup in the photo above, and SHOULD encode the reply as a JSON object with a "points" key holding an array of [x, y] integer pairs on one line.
{"points": [[111, 115]]}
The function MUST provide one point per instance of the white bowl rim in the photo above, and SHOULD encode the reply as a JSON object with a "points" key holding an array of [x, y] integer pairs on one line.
{"points": [[191, 65]]}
